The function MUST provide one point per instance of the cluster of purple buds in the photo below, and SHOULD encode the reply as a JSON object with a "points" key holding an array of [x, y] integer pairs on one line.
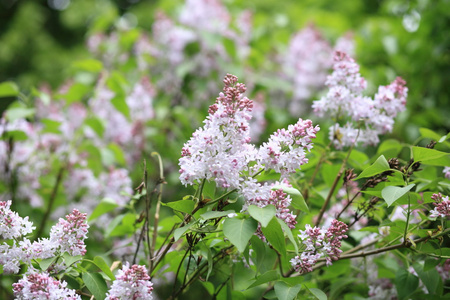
{"points": [[319, 243]]}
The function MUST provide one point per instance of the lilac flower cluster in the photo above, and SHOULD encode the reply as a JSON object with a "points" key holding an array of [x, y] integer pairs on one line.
{"points": [[11, 224], [66, 236], [286, 149], [41, 286], [319, 243], [220, 150], [442, 206], [131, 283], [69, 234], [344, 100], [307, 62]]}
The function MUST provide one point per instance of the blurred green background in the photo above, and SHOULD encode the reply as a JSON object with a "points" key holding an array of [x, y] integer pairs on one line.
{"points": [[39, 39]]}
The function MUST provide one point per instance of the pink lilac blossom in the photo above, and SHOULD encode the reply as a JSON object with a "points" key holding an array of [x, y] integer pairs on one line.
{"points": [[344, 100], [306, 64], [320, 243], [346, 44], [131, 283], [207, 15], [125, 132], [446, 172], [172, 38], [442, 206], [220, 150], [35, 286], [258, 122], [285, 150], [69, 234]]}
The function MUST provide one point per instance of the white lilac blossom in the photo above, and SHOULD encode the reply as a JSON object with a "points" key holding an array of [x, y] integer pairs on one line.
{"points": [[66, 236], [125, 132], [207, 15], [11, 224], [220, 149], [69, 234], [131, 283], [346, 44], [345, 101], [35, 286], [258, 122], [446, 172], [442, 206], [319, 242], [172, 39], [286, 149], [306, 64]]}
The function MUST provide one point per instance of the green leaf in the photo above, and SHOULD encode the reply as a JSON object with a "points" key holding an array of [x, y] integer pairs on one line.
{"points": [[406, 283], [180, 231], [51, 126], [430, 278], [262, 214], [285, 291], [96, 125], [103, 266], [118, 153], [70, 260], [298, 202], [269, 276], [430, 263], [105, 206], [288, 233], [45, 263], [95, 284], [391, 194], [431, 157], [89, 65], [275, 236], [215, 214], [76, 92], [8, 89], [184, 206], [120, 103], [390, 148], [15, 135], [16, 113], [318, 293], [379, 166], [239, 231]]}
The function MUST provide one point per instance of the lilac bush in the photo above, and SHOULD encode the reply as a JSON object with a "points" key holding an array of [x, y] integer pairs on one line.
{"points": [[167, 198]]}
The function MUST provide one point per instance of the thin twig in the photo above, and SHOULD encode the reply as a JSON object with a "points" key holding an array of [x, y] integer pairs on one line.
{"points": [[51, 202]]}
